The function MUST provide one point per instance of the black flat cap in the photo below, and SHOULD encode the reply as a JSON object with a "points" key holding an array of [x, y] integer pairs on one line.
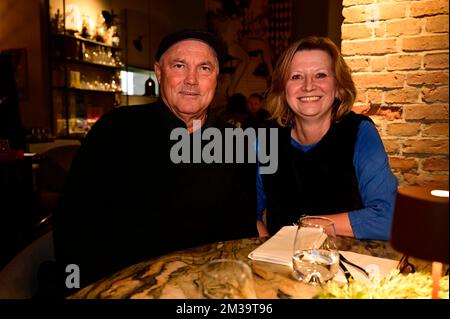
{"points": [[209, 38]]}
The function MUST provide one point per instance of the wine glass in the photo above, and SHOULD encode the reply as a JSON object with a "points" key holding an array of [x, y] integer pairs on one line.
{"points": [[316, 257], [227, 279]]}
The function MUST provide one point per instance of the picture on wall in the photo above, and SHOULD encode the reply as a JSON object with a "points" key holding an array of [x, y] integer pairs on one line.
{"points": [[255, 33]]}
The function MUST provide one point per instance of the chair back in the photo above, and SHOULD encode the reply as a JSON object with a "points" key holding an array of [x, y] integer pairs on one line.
{"points": [[51, 177], [19, 278], [55, 167]]}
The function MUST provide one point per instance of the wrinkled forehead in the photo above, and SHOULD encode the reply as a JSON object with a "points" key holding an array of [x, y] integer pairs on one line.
{"points": [[189, 47]]}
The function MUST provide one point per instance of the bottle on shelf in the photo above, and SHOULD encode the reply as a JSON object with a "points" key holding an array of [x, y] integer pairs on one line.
{"points": [[85, 62]]}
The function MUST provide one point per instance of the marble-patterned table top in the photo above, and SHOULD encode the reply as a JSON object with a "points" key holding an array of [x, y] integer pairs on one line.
{"points": [[176, 275]]}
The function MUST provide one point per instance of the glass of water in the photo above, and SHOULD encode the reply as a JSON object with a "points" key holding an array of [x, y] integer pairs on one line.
{"points": [[227, 279], [316, 257]]}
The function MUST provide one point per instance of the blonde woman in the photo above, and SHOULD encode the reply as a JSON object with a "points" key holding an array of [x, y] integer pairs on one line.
{"points": [[331, 161]]}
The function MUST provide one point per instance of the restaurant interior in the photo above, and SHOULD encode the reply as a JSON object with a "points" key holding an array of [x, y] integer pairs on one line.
{"points": [[65, 63]]}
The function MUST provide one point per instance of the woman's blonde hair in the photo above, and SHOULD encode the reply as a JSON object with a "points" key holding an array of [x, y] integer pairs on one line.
{"points": [[276, 99]]}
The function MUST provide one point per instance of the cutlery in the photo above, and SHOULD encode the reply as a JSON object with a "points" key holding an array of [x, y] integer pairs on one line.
{"points": [[347, 273], [341, 257]]}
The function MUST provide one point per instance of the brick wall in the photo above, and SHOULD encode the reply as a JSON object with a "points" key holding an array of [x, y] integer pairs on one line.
{"points": [[398, 51]]}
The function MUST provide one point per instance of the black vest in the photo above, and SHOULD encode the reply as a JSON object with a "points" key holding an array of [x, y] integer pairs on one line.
{"points": [[318, 182]]}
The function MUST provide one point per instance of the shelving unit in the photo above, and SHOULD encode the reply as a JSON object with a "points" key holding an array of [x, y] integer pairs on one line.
{"points": [[85, 79]]}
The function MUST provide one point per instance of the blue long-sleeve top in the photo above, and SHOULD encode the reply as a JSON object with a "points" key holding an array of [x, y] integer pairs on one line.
{"points": [[376, 182]]}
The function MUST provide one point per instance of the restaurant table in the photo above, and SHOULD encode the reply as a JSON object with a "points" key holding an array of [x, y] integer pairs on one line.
{"points": [[176, 275]]}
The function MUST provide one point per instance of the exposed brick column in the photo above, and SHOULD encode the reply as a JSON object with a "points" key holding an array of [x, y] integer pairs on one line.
{"points": [[398, 51]]}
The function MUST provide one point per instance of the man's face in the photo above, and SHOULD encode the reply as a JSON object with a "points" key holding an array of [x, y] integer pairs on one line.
{"points": [[187, 73]]}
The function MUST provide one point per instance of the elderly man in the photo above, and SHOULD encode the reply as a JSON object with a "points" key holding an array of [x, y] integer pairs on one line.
{"points": [[125, 200]]}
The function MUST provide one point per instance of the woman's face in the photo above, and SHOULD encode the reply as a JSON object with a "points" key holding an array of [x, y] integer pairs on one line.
{"points": [[311, 86]]}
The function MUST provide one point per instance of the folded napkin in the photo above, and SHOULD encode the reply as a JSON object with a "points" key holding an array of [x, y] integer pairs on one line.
{"points": [[279, 249]]}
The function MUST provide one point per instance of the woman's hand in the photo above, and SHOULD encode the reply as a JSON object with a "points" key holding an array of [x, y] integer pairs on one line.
{"points": [[341, 224], [262, 229]]}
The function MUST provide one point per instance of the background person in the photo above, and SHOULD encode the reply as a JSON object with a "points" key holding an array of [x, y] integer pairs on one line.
{"points": [[258, 115], [236, 113], [331, 161]]}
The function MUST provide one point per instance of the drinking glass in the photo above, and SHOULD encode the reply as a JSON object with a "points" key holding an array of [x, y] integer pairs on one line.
{"points": [[316, 257], [227, 279]]}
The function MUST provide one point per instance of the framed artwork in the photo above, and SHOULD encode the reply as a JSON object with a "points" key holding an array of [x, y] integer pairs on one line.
{"points": [[255, 32]]}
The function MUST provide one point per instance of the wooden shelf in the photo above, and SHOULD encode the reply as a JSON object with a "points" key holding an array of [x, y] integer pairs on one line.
{"points": [[86, 41], [68, 64], [85, 90], [76, 61]]}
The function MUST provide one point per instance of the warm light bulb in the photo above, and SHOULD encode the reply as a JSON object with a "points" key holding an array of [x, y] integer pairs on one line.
{"points": [[439, 193]]}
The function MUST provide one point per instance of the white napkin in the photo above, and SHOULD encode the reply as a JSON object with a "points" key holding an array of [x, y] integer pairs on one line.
{"points": [[279, 249]]}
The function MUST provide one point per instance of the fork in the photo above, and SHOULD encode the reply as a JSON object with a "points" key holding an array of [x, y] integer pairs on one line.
{"points": [[347, 273], [354, 265]]}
